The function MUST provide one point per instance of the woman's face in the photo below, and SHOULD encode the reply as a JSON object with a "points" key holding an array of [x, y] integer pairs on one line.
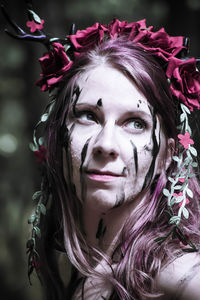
{"points": [[116, 142]]}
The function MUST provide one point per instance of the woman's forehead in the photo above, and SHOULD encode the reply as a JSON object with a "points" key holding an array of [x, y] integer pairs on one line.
{"points": [[112, 87]]}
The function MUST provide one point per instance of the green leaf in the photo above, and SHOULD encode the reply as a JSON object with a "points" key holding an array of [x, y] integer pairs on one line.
{"points": [[166, 192], [41, 141], [191, 175], [43, 209], [176, 158], [37, 231], [174, 220], [189, 192], [193, 151], [172, 201], [179, 199], [194, 165], [184, 108], [177, 187], [171, 179], [35, 17], [31, 219], [44, 117], [182, 117], [33, 147], [185, 213], [37, 195]]}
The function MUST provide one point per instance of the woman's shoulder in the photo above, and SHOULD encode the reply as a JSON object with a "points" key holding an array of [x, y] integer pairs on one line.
{"points": [[180, 279]]}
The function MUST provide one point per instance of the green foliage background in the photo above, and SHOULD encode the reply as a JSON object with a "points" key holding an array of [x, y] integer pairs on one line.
{"points": [[21, 104]]}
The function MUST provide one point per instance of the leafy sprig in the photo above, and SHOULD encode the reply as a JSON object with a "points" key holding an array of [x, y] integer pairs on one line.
{"points": [[180, 182]]}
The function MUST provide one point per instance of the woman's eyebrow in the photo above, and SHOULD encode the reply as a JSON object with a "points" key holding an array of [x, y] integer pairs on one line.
{"points": [[138, 113], [89, 105]]}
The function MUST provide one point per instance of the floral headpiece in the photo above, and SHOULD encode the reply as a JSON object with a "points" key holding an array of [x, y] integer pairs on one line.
{"points": [[184, 80]]}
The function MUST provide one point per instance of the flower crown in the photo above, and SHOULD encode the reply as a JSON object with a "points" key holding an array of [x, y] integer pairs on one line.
{"points": [[181, 72]]}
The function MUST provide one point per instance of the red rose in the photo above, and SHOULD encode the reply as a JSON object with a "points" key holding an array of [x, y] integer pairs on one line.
{"points": [[117, 28], [160, 43], [54, 64], [185, 81], [84, 40]]}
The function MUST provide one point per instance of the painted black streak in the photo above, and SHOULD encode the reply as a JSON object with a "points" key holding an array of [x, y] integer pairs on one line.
{"points": [[138, 105], [135, 156], [83, 155], [100, 230], [99, 102], [69, 167], [76, 93], [124, 171], [155, 151], [120, 200]]}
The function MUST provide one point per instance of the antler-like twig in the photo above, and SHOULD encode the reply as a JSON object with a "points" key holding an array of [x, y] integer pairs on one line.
{"points": [[20, 33]]}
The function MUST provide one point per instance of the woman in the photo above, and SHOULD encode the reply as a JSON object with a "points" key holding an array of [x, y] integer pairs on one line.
{"points": [[118, 181], [110, 140]]}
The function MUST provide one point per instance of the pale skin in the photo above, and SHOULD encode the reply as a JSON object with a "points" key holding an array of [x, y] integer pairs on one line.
{"points": [[117, 148]]}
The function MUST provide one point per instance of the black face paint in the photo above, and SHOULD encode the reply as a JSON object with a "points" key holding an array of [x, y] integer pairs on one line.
{"points": [[119, 200], [100, 231], [138, 105], [99, 102], [135, 156], [69, 167], [124, 171], [155, 150], [76, 94], [83, 155]]}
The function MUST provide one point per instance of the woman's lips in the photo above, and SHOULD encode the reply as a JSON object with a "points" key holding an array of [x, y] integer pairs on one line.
{"points": [[102, 176]]}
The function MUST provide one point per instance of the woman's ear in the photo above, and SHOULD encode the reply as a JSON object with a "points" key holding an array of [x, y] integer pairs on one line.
{"points": [[169, 153], [166, 156]]}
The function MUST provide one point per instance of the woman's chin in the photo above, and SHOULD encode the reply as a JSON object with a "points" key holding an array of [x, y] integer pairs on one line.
{"points": [[101, 200]]}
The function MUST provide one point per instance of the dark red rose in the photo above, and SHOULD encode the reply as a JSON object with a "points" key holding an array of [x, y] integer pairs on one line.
{"points": [[160, 43], [54, 64], [84, 40], [117, 28], [185, 81], [40, 154]]}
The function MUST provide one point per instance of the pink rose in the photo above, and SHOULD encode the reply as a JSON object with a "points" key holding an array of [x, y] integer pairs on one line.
{"points": [[84, 40], [54, 64], [185, 81]]}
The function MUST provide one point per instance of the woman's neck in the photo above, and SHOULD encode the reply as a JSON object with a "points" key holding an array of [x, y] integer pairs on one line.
{"points": [[103, 229]]}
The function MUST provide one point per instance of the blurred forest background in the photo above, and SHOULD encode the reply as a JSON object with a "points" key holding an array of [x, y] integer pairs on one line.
{"points": [[21, 104]]}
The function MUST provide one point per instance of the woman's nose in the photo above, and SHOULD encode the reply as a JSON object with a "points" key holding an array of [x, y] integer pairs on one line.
{"points": [[106, 143]]}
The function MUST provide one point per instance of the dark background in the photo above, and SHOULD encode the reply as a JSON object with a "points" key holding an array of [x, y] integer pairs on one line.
{"points": [[21, 104]]}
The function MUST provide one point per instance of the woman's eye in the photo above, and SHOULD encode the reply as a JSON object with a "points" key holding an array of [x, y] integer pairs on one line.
{"points": [[135, 124], [86, 116]]}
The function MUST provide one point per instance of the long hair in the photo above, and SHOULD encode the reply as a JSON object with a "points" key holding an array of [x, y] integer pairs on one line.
{"points": [[138, 258]]}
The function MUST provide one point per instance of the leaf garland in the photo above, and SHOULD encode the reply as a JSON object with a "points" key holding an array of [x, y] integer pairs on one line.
{"points": [[180, 182]]}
